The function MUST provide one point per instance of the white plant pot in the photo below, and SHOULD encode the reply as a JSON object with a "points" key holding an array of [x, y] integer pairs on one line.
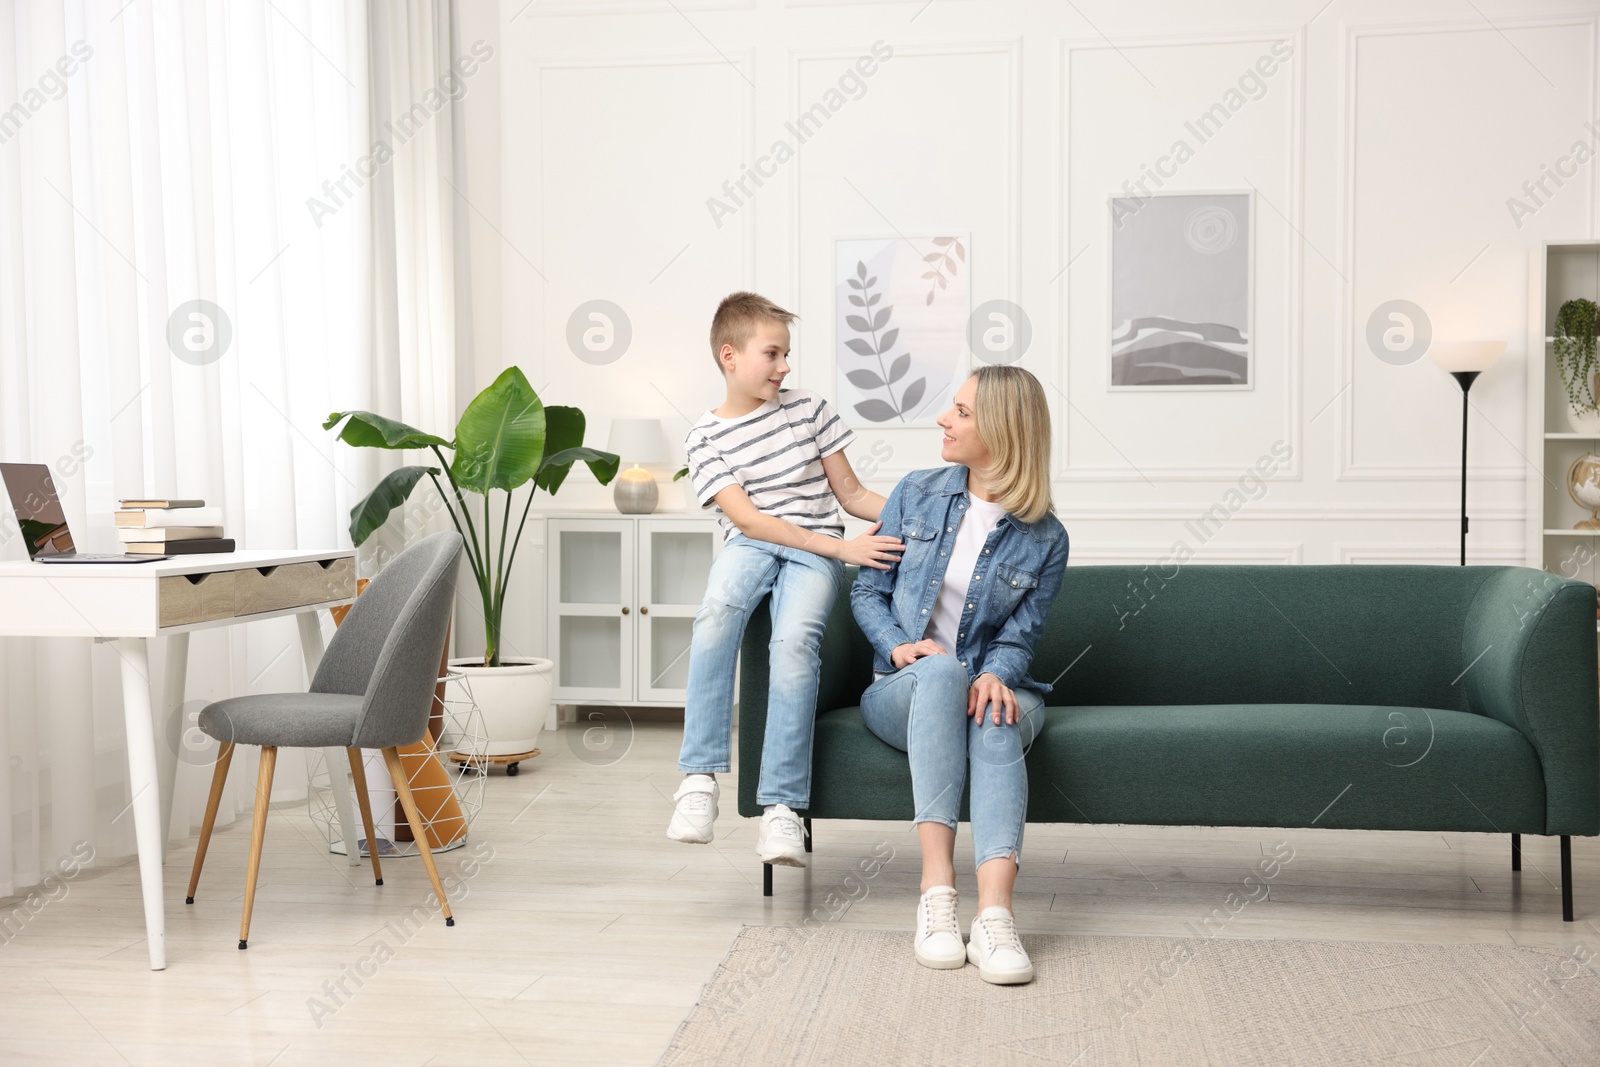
{"points": [[1588, 422], [514, 699]]}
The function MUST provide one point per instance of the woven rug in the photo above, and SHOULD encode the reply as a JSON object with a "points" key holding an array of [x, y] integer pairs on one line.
{"points": [[839, 996]]}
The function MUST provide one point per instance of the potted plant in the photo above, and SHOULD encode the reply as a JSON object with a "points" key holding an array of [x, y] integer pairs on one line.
{"points": [[1574, 345], [505, 439]]}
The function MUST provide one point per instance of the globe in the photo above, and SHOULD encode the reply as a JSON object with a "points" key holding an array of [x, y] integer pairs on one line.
{"points": [[1583, 485]]}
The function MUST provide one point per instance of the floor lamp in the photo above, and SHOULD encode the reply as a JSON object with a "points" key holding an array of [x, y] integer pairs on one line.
{"points": [[1465, 360]]}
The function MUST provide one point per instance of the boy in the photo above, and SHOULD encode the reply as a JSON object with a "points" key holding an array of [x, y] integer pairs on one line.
{"points": [[771, 461]]}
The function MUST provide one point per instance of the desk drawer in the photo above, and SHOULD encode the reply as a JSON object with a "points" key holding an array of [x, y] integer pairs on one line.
{"points": [[292, 585], [196, 598]]}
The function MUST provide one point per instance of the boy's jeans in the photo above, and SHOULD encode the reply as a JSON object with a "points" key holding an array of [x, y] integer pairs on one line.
{"points": [[804, 586]]}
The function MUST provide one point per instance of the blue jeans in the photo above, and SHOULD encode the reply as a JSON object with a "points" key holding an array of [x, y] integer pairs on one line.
{"points": [[804, 586], [921, 709]]}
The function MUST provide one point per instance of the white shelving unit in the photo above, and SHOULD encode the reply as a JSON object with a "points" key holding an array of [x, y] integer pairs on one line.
{"points": [[622, 594], [1558, 272]]}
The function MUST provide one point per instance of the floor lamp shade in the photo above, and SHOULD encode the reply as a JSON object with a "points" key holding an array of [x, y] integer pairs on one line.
{"points": [[1466, 356], [637, 442]]}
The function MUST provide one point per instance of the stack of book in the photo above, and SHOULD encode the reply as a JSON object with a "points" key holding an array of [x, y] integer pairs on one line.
{"points": [[171, 527]]}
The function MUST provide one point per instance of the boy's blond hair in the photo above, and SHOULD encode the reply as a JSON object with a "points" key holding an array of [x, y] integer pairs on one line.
{"points": [[735, 321], [1014, 422]]}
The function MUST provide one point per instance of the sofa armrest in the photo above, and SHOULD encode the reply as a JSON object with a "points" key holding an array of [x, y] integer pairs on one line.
{"points": [[845, 668], [1528, 659]]}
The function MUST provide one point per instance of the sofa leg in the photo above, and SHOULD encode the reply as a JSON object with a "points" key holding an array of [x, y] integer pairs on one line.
{"points": [[1566, 878], [1516, 852], [766, 879], [808, 833]]}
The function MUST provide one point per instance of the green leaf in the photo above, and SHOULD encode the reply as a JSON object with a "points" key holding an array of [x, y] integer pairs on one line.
{"points": [[603, 465], [366, 430], [564, 429], [501, 436], [390, 493]]}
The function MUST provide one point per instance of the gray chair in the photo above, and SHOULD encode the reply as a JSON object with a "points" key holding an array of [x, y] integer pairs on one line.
{"points": [[373, 689]]}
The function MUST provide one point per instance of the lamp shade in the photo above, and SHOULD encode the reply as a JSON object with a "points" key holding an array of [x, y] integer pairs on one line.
{"points": [[1458, 356], [638, 441]]}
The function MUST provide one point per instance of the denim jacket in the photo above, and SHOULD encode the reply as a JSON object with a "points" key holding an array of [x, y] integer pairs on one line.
{"points": [[1018, 574]]}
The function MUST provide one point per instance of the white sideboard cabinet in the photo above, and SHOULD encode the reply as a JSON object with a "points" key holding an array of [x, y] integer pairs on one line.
{"points": [[621, 593]]}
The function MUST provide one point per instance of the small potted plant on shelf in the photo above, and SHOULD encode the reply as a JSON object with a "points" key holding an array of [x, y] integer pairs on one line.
{"points": [[1574, 345], [506, 438]]}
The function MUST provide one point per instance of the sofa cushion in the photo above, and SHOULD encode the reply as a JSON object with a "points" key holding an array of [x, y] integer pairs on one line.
{"points": [[1292, 765]]}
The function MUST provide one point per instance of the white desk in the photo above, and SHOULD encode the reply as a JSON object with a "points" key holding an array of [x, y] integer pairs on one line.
{"points": [[129, 603]]}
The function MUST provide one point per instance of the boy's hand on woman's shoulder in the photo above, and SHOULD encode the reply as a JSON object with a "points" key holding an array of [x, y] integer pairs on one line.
{"points": [[872, 549]]}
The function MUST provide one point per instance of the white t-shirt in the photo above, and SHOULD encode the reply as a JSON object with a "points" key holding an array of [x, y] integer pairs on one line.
{"points": [[980, 518], [977, 522]]}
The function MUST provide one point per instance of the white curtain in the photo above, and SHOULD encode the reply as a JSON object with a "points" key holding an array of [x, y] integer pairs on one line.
{"points": [[159, 152]]}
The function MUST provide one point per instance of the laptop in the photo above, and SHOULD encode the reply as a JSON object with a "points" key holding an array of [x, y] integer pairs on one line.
{"points": [[43, 522]]}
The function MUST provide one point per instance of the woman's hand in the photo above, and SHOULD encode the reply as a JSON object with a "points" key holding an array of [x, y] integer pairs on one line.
{"points": [[987, 691], [905, 655], [872, 549]]}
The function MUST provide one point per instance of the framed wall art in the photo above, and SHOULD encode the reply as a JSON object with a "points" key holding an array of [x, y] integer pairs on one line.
{"points": [[900, 320], [1182, 287]]}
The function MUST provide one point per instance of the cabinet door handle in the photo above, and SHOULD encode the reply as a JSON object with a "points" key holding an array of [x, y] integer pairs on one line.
{"points": [[645, 610], [624, 610]]}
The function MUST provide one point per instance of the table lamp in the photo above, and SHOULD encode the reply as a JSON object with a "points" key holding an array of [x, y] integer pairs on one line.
{"points": [[1464, 360], [637, 441]]}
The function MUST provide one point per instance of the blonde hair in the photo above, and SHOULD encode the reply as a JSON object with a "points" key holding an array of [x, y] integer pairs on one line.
{"points": [[735, 321], [1014, 423]]}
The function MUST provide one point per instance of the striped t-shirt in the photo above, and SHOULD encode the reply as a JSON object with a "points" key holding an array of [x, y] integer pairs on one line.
{"points": [[775, 455]]}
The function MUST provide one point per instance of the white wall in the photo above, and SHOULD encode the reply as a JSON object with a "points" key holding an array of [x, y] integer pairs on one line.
{"points": [[1382, 155]]}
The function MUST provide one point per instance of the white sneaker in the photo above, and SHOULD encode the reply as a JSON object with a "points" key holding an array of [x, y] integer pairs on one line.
{"points": [[782, 838], [938, 942], [996, 950], [694, 810]]}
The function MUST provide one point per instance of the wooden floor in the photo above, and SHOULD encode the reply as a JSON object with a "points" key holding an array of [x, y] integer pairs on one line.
{"points": [[584, 935]]}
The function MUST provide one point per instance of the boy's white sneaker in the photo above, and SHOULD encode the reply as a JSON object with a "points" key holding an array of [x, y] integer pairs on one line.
{"points": [[782, 838], [938, 942], [694, 810], [997, 950]]}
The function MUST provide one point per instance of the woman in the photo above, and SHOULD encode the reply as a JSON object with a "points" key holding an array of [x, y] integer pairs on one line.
{"points": [[952, 627]]}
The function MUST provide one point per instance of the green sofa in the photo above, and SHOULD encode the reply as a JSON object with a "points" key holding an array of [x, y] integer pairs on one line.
{"points": [[1347, 697]]}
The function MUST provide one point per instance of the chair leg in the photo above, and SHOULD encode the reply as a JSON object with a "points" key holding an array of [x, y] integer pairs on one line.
{"points": [[397, 771], [766, 879], [219, 778], [358, 774], [1516, 852], [258, 834], [1566, 878]]}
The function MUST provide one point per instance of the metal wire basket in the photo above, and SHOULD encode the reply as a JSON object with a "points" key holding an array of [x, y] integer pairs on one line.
{"points": [[463, 733]]}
